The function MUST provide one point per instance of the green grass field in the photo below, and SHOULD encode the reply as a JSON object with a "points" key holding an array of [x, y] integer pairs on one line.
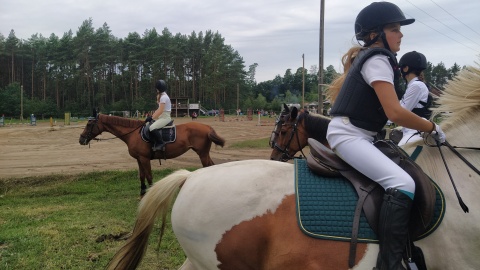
{"points": [[75, 222]]}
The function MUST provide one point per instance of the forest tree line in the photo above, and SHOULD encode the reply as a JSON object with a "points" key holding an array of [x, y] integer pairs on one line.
{"points": [[94, 69]]}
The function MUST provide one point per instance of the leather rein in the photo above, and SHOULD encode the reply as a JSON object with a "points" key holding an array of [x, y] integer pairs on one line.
{"points": [[90, 131], [452, 148]]}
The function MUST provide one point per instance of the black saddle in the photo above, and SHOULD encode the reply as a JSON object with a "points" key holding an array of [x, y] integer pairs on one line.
{"points": [[168, 132]]}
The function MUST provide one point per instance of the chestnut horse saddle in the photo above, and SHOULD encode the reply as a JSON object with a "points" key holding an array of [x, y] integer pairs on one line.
{"points": [[169, 133]]}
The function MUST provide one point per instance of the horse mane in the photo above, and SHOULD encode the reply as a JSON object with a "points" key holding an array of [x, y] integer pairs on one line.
{"points": [[120, 121], [315, 124], [461, 98]]}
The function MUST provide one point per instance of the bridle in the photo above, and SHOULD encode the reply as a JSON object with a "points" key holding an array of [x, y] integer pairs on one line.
{"points": [[294, 134], [93, 122]]}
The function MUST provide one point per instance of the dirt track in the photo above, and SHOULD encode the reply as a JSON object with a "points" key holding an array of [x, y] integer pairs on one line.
{"points": [[42, 149]]}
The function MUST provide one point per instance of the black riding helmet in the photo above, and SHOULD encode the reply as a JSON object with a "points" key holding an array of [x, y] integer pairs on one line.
{"points": [[374, 17], [414, 60], [161, 86]]}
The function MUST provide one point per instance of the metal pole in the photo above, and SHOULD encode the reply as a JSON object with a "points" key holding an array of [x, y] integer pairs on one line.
{"points": [[21, 103], [303, 82], [320, 58]]}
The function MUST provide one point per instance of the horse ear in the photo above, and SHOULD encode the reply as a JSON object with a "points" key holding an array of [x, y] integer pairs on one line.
{"points": [[294, 113], [285, 108]]}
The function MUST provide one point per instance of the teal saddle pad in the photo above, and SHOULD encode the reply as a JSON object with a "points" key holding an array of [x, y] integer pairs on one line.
{"points": [[326, 206]]}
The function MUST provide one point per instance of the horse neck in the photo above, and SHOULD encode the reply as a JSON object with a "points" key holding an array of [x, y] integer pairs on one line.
{"points": [[316, 127], [463, 134], [119, 127]]}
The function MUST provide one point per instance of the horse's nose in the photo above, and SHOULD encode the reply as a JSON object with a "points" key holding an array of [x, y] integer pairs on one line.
{"points": [[82, 141]]}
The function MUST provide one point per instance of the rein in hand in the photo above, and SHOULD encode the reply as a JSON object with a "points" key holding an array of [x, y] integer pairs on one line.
{"points": [[452, 148]]}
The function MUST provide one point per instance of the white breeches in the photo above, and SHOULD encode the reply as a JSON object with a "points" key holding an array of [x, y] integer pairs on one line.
{"points": [[354, 145], [162, 121]]}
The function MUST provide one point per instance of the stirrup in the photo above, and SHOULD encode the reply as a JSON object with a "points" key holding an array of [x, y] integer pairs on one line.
{"points": [[160, 147]]}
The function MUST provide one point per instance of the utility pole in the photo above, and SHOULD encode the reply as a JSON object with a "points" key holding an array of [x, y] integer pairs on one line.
{"points": [[320, 58], [303, 82], [21, 103], [238, 94]]}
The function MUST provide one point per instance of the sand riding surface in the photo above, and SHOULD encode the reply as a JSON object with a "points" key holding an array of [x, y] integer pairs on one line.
{"points": [[44, 149]]}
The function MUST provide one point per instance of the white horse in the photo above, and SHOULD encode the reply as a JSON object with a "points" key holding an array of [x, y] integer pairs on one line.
{"points": [[241, 215]]}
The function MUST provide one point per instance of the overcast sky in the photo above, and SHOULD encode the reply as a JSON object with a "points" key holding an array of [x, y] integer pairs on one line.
{"points": [[272, 33]]}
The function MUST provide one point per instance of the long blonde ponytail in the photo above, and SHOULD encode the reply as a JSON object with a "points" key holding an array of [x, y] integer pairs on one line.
{"points": [[336, 85]]}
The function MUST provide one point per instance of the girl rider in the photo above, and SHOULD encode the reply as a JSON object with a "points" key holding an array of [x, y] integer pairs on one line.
{"points": [[416, 97], [365, 97]]}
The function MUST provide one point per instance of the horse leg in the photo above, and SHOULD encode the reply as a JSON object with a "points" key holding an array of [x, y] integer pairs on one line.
{"points": [[205, 159], [144, 171], [147, 169], [204, 154]]}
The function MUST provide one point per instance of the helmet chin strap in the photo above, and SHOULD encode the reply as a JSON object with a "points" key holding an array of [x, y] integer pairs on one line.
{"points": [[384, 40], [368, 44], [380, 34], [404, 74]]}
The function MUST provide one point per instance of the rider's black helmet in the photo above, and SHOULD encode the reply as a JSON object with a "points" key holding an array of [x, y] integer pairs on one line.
{"points": [[376, 15], [414, 60], [161, 86]]}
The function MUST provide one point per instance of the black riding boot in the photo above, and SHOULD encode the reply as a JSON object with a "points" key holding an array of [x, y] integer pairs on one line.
{"points": [[393, 229], [158, 142]]}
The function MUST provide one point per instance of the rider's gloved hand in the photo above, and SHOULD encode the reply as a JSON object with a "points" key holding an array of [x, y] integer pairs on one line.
{"points": [[438, 134], [148, 119]]}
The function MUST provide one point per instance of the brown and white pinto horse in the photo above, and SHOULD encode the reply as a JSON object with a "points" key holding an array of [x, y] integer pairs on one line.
{"points": [[241, 215], [193, 135]]}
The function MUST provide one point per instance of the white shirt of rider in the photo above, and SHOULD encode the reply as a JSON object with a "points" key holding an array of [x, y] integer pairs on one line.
{"points": [[377, 68], [416, 91], [165, 99]]}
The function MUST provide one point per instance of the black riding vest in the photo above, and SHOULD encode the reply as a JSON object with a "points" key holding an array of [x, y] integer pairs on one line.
{"points": [[358, 100], [425, 111]]}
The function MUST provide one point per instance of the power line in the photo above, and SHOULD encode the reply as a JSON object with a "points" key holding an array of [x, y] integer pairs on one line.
{"points": [[455, 18], [444, 25], [416, 20]]}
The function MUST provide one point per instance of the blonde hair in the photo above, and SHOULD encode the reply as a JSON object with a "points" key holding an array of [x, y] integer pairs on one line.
{"points": [[336, 85], [347, 60]]}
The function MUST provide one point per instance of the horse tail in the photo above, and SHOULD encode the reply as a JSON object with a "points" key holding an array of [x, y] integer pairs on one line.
{"points": [[156, 202], [215, 138]]}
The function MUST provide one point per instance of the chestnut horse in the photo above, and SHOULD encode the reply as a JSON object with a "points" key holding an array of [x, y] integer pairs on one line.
{"points": [[193, 135], [241, 215]]}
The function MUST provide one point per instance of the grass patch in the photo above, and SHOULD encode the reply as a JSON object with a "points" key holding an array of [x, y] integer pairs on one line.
{"points": [[75, 222], [257, 143]]}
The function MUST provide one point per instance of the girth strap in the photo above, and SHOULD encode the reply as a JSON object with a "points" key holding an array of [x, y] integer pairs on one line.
{"points": [[356, 222]]}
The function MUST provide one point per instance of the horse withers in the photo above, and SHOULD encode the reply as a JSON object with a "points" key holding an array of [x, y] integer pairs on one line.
{"points": [[194, 135]]}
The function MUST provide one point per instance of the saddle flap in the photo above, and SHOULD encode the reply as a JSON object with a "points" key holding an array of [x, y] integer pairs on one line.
{"points": [[145, 133], [324, 161], [317, 166], [325, 157], [425, 194]]}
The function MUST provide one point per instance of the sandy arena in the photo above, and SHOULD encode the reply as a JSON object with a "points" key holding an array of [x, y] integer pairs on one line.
{"points": [[43, 149]]}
